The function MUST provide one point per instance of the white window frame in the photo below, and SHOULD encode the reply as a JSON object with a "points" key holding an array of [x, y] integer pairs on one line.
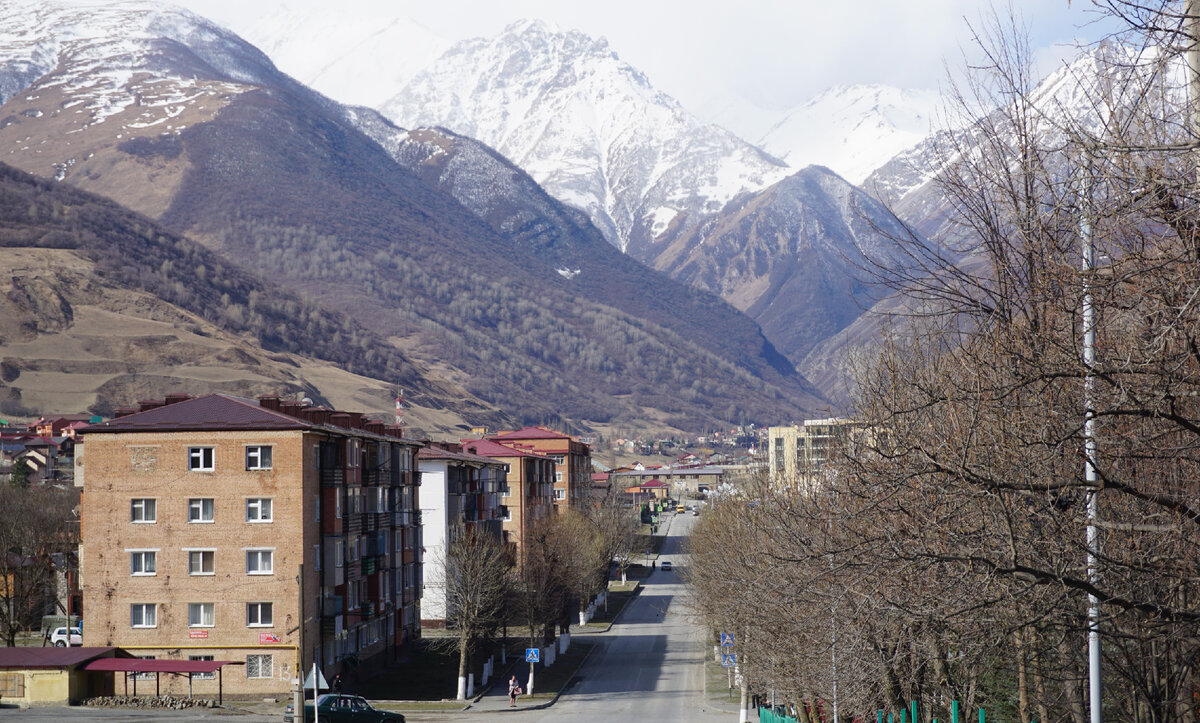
{"points": [[143, 608], [256, 461], [136, 570], [256, 503], [558, 477], [339, 554], [140, 504], [560, 494], [198, 610], [202, 459], [260, 554], [316, 558], [196, 510], [255, 621], [506, 513], [263, 667], [201, 551]]}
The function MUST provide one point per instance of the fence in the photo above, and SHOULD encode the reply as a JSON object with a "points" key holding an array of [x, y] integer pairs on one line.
{"points": [[778, 715]]}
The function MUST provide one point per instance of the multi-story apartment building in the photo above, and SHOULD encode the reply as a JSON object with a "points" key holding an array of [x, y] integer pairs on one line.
{"points": [[572, 461], [528, 493], [799, 453], [460, 495], [272, 533]]}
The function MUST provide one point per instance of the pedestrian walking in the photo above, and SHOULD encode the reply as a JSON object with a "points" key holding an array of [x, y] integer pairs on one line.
{"points": [[514, 689], [337, 683]]}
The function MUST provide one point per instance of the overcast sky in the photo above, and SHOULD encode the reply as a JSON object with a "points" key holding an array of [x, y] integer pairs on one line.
{"points": [[772, 52]]}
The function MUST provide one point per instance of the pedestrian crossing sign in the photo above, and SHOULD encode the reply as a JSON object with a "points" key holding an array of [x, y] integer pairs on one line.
{"points": [[532, 655], [726, 639], [729, 660]]}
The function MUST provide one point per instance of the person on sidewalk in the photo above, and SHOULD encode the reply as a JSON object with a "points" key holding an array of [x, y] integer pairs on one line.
{"points": [[514, 689]]}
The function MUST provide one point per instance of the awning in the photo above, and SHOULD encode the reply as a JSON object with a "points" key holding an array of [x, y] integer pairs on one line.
{"points": [[159, 665]]}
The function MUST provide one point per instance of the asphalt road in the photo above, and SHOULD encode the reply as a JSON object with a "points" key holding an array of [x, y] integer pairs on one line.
{"points": [[650, 665]]}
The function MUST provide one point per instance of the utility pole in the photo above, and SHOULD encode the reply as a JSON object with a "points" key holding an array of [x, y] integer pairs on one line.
{"points": [[1089, 442]]}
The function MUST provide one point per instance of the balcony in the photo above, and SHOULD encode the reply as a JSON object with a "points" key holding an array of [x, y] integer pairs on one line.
{"points": [[332, 477]]}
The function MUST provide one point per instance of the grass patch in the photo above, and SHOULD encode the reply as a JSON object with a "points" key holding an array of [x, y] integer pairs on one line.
{"points": [[549, 682], [430, 674], [716, 683], [618, 597]]}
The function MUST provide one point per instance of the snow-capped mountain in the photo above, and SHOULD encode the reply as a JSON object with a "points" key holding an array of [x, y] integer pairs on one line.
{"points": [[190, 125], [853, 129], [795, 256], [589, 128], [343, 50]]}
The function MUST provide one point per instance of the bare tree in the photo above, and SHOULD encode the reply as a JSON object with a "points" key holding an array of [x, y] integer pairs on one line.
{"points": [[476, 588], [36, 527]]}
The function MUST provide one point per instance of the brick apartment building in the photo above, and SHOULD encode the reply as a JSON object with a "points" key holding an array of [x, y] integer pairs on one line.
{"points": [[527, 495], [572, 461], [212, 526]]}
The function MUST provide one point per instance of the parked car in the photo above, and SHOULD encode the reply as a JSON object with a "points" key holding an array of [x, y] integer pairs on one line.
{"points": [[62, 639], [666, 565], [338, 708]]}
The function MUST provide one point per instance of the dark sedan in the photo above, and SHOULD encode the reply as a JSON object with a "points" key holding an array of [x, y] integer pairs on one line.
{"points": [[336, 708]]}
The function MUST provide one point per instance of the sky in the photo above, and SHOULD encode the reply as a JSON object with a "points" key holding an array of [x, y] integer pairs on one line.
{"points": [[773, 53]]}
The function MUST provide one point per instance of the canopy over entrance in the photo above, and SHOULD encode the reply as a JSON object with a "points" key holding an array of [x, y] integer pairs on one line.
{"points": [[164, 665]]}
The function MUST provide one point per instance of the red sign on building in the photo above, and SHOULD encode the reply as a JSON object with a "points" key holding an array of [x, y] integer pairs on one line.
{"points": [[269, 638], [197, 634]]}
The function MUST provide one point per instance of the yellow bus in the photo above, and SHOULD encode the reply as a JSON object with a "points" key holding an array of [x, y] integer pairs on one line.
{"points": [[681, 508]]}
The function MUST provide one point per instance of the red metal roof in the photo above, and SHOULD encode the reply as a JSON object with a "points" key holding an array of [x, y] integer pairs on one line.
{"points": [[51, 657], [488, 448], [530, 433], [160, 665], [653, 483]]}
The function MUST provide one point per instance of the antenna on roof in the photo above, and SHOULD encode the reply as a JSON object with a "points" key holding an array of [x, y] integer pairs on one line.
{"points": [[400, 407]]}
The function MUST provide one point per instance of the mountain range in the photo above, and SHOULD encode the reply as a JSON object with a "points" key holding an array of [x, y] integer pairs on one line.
{"points": [[492, 287]]}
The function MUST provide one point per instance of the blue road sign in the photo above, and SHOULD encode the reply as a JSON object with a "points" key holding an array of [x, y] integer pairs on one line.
{"points": [[729, 660], [533, 655], [726, 639]]}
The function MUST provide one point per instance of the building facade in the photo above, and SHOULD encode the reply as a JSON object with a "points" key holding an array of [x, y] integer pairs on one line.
{"points": [[460, 495], [572, 461], [799, 453], [272, 532], [528, 493]]}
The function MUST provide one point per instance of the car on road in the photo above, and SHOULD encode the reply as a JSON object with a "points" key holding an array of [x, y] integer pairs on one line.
{"points": [[666, 565], [61, 638], [338, 708]]}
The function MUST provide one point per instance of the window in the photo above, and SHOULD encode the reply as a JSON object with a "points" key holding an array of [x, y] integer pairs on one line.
{"points": [[200, 459], [143, 562], [558, 477], [200, 615], [259, 562], [259, 615], [143, 615], [352, 448], [339, 554], [143, 510], [145, 676], [200, 509], [317, 558], [258, 457], [202, 676], [258, 509], [201, 562], [260, 666], [506, 492], [506, 513], [560, 494]]}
